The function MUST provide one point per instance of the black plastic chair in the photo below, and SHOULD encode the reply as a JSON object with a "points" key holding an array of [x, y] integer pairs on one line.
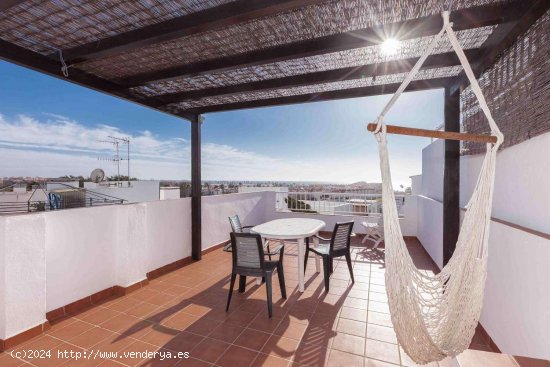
{"points": [[248, 260], [237, 227], [338, 245]]}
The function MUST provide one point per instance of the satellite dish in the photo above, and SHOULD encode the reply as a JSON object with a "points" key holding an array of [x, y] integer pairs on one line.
{"points": [[97, 175]]}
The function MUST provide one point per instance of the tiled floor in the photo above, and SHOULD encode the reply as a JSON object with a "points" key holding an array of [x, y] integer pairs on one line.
{"points": [[184, 311]]}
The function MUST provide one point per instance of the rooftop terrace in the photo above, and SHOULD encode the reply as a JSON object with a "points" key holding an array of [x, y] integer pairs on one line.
{"points": [[193, 58], [185, 311]]}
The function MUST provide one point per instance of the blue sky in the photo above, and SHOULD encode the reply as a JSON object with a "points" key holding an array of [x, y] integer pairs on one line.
{"points": [[49, 127]]}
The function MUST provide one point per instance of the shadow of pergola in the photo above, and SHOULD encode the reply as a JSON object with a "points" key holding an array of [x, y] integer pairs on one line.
{"points": [[298, 307]]}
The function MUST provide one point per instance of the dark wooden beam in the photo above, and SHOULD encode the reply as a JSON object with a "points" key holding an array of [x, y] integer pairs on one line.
{"points": [[451, 176], [325, 96], [405, 30], [6, 4], [196, 188], [35, 61], [504, 36], [206, 20], [351, 73]]}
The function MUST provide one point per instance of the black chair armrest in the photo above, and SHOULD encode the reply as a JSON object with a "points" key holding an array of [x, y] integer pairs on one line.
{"points": [[246, 228], [322, 238]]}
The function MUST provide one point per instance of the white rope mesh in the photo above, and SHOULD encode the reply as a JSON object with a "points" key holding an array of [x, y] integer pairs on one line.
{"points": [[435, 316]]}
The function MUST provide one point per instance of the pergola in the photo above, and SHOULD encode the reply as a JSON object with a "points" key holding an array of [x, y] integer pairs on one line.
{"points": [[188, 58]]}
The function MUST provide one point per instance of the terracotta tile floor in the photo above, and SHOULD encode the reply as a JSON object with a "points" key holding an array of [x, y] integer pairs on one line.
{"points": [[184, 311]]}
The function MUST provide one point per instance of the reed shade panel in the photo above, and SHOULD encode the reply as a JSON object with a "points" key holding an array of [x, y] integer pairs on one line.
{"points": [[238, 49], [517, 88], [448, 135]]}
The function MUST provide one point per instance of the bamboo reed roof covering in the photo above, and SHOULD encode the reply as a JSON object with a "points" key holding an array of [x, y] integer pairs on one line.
{"points": [[191, 57]]}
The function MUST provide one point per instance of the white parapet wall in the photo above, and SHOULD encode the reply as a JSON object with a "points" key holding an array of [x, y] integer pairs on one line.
{"points": [[51, 259], [429, 228], [516, 310], [23, 273], [252, 209]]}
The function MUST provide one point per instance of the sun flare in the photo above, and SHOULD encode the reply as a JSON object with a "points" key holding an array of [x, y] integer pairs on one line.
{"points": [[390, 46]]}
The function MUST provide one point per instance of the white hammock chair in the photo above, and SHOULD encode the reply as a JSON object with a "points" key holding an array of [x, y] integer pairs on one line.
{"points": [[435, 316]]}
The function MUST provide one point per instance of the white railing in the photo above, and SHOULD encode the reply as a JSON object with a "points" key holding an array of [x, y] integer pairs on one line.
{"points": [[333, 203]]}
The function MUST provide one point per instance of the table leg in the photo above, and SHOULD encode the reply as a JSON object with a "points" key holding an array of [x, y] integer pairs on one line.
{"points": [[317, 263], [301, 256]]}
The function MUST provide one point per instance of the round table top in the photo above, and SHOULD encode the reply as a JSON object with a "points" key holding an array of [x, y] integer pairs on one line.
{"points": [[289, 228]]}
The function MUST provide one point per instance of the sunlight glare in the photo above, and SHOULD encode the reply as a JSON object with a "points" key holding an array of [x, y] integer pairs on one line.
{"points": [[390, 46]]}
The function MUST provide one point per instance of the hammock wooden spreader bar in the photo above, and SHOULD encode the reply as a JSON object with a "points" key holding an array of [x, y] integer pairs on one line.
{"points": [[448, 135]]}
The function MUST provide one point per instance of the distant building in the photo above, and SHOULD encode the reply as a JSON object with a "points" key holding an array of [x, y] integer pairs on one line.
{"points": [[136, 192], [244, 189], [170, 192]]}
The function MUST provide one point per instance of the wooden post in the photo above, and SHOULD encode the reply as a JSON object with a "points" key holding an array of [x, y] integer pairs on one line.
{"points": [[451, 176], [196, 187]]}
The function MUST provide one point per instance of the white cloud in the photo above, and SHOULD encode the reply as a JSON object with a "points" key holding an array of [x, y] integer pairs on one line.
{"points": [[60, 146]]}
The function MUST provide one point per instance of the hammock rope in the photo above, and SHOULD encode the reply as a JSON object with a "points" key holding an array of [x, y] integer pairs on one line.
{"points": [[435, 316]]}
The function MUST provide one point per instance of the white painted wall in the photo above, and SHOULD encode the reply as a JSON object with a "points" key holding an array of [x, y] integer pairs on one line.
{"points": [[216, 210], [80, 242], [522, 184], [433, 163], [24, 273], [15, 196], [516, 311], [429, 216], [416, 184], [2, 276], [51, 259], [168, 231], [168, 193], [410, 213], [429, 228]]}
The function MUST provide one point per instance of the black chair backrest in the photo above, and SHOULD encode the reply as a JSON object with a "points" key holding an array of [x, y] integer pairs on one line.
{"points": [[341, 236], [235, 222], [248, 252]]}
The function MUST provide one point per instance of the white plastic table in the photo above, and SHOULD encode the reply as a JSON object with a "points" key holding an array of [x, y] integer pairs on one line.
{"points": [[293, 229]]}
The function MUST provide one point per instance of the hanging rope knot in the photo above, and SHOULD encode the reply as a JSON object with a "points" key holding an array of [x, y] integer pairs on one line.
{"points": [[379, 123], [500, 138], [64, 66], [445, 16]]}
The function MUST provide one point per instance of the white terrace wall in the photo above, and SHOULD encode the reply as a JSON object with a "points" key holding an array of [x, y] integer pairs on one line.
{"points": [[51, 259], [216, 209], [2, 278], [430, 211], [23, 271], [516, 311]]}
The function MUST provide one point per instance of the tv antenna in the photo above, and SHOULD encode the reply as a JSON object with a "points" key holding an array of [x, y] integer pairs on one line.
{"points": [[116, 142]]}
